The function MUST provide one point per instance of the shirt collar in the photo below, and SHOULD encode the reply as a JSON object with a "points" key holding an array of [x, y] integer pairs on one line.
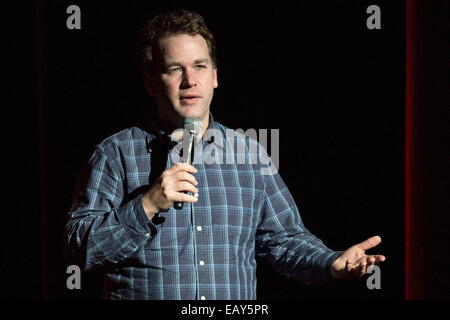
{"points": [[158, 138]]}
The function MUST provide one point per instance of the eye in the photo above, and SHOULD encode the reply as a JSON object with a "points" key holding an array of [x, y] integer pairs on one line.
{"points": [[174, 69], [200, 66]]}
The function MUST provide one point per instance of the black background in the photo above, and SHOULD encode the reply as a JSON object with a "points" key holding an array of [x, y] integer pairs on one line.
{"points": [[335, 89]]}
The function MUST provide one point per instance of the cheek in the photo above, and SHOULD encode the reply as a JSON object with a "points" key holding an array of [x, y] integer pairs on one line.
{"points": [[170, 87]]}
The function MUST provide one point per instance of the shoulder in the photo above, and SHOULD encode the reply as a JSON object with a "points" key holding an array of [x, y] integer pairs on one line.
{"points": [[131, 140], [249, 147], [248, 137]]}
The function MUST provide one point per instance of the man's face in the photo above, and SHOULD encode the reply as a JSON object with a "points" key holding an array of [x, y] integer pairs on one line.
{"points": [[184, 79]]}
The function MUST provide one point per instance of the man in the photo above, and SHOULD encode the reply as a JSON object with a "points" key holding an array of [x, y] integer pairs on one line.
{"points": [[123, 221]]}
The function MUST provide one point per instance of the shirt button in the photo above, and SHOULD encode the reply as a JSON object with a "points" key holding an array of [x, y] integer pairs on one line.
{"points": [[199, 228], [147, 235], [203, 297], [202, 262]]}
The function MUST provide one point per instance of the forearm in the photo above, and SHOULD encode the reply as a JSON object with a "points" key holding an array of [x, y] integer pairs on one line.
{"points": [[299, 255], [96, 238], [312, 265]]}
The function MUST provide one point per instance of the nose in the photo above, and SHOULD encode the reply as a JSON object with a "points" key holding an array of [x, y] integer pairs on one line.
{"points": [[189, 79]]}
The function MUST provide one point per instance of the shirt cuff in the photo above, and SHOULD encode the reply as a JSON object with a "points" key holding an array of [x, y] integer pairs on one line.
{"points": [[132, 216], [328, 277]]}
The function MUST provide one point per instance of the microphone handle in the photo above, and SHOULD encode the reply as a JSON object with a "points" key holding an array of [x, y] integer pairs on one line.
{"points": [[189, 159], [179, 205]]}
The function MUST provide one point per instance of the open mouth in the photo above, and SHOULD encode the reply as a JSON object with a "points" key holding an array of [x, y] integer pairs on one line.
{"points": [[189, 99]]}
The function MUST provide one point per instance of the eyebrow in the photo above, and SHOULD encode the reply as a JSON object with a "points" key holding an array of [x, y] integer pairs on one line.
{"points": [[198, 61]]}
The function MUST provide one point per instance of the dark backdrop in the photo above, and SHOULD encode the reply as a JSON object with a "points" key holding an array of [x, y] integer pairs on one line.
{"points": [[335, 89]]}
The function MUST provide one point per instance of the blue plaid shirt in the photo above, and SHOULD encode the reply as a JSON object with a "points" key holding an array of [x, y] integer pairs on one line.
{"points": [[204, 251]]}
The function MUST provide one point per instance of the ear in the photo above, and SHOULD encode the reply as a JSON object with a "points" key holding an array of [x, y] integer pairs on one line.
{"points": [[149, 83], [216, 82]]}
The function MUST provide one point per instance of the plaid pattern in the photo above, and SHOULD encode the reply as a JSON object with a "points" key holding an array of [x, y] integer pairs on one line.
{"points": [[204, 251]]}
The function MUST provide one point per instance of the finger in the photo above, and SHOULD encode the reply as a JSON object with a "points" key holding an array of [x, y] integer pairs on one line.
{"points": [[371, 261], [184, 186], [379, 258], [348, 266], [363, 268], [357, 262], [183, 197], [369, 243], [183, 167], [353, 267], [183, 175]]}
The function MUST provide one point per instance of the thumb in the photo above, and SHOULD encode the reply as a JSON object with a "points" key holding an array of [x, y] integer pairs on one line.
{"points": [[369, 243]]}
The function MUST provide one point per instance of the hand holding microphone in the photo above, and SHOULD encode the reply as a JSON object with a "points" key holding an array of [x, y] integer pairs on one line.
{"points": [[192, 127], [176, 184], [170, 187]]}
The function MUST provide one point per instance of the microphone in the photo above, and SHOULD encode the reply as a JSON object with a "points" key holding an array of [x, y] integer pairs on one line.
{"points": [[192, 128]]}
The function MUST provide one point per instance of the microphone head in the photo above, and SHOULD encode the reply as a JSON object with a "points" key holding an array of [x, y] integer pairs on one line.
{"points": [[193, 125]]}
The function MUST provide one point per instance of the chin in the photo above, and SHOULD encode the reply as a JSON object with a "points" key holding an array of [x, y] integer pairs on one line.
{"points": [[191, 112]]}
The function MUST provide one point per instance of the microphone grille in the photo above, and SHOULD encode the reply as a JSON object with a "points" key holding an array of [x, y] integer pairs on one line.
{"points": [[193, 125]]}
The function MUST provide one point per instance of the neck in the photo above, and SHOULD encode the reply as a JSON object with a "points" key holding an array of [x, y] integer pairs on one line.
{"points": [[170, 126]]}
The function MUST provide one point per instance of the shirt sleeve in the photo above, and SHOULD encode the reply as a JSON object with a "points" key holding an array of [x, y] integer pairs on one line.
{"points": [[284, 242], [102, 229]]}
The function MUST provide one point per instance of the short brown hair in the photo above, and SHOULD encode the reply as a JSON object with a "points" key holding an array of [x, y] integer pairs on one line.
{"points": [[173, 22]]}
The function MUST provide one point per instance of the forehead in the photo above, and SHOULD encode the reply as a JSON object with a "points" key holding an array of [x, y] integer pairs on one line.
{"points": [[183, 47]]}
